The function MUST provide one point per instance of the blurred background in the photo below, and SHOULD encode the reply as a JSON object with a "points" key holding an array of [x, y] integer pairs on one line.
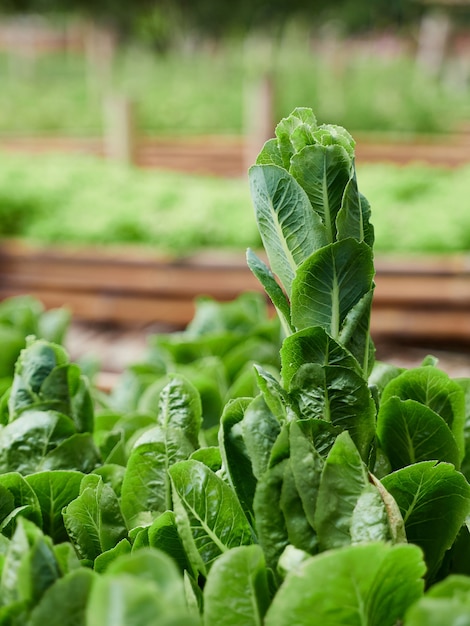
{"points": [[127, 128]]}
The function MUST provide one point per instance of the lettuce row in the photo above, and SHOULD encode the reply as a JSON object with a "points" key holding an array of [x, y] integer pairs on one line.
{"points": [[323, 489]]}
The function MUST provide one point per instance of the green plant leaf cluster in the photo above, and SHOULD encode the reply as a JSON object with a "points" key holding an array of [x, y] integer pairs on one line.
{"points": [[320, 489]]}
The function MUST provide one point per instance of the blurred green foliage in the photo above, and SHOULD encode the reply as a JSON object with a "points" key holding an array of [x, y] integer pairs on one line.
{"points": [[82, 200]]}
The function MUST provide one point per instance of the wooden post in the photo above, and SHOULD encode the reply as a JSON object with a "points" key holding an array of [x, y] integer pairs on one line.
{"points": [[119, 127], [433, 40], [259, 116]]}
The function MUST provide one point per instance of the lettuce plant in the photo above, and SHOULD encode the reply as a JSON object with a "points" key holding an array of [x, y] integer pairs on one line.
{"points": [[337, 493]]}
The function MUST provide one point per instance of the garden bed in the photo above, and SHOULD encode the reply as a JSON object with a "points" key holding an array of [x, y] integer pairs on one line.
{"points": [[416, 297]]}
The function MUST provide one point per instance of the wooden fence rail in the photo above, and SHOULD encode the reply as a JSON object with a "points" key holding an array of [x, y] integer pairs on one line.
{"points": [[416, 298]]}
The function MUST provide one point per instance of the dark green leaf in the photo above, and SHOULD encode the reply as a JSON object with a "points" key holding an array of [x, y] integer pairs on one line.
{"points": [[94, 520], [410, 432], [343, 480], [64, 603], [272, 288], [434, 500], [260, 430], [146, 491], [271, 526], [338, 395], [329, 283], [362, 585], [245, 599], [235, 457], [433, 388]]}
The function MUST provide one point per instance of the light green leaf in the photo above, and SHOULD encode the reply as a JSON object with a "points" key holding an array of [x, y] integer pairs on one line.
{"points": [[55, 490], [209, 517], [25, 442], [323, 172], [146, 491], [180, 408], [289, 229], [104, 560], [272, 288], [343, 480], [447, 602], [312, 345], [245, 599], [338, 395], [260, 430], [352, 219], [329, 284], [65, 601], [361, 585], [94, 520], [235, 457]]}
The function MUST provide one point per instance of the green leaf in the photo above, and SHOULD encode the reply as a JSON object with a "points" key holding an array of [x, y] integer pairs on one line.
{"points": [[434, 500], [21, 497], [447, 602], [235, 457], [78, 452], [36, 362], [146, 490], [338, 395], [271, 525], [329, 284], [94, 520], [245, 599], [307, 465], [25, 443], [353, 218], [209, 517], [410, 432], [55, 490], [355, 333], [272, 288], [139, 589], [163, 535], [275, 396], [30, 565], [343, 480], [323, 172], [361, 585], [289, 229], [312, 345], [433, 388], [369, 520], [260, 430], [180, 408], [299, 531], [65, 601], [104, 560]]}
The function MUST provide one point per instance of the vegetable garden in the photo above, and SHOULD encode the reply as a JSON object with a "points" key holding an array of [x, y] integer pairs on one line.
{"points": [[251, 469]]}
